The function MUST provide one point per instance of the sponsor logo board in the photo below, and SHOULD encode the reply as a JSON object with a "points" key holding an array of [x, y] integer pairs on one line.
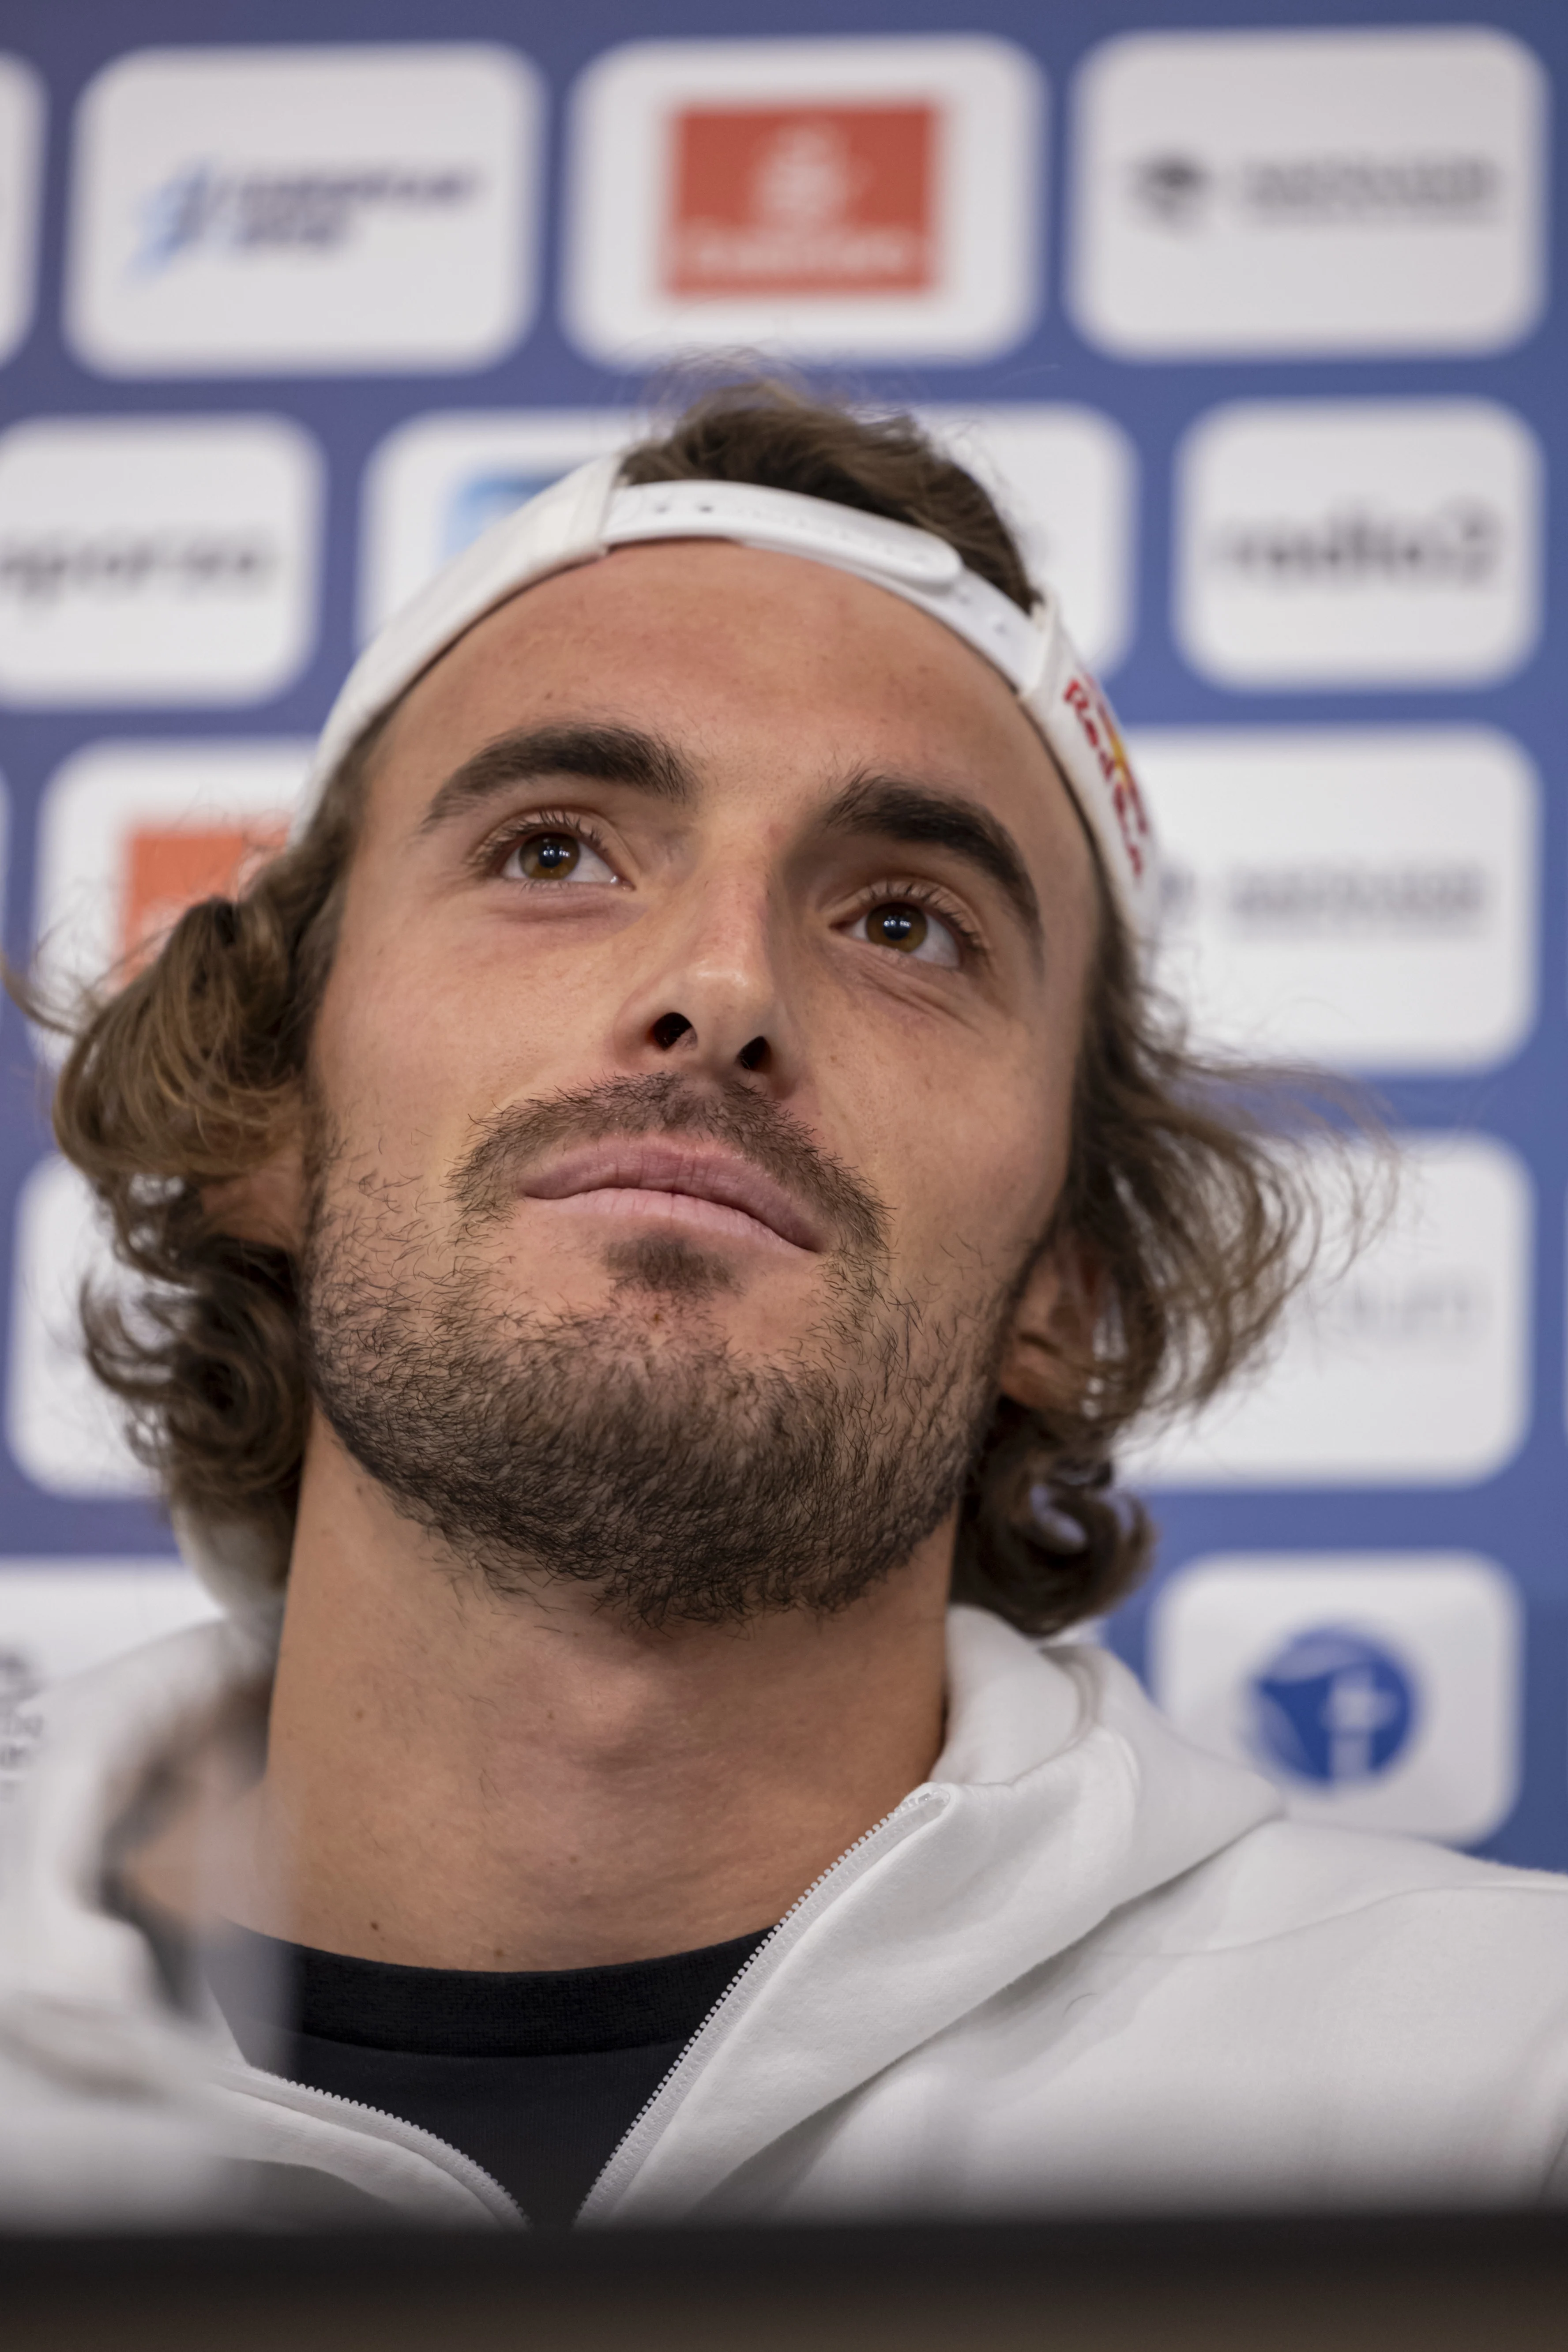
{"points": [[287, 210], [1368, 898], [61, 1617], [21, 165], [1358, 543], [1360, 189], [157, 559], [130, 834], [1404, 1362], [865, 197], [64, 1429], [436, 482], [1381, 1691], [1066, 479]]}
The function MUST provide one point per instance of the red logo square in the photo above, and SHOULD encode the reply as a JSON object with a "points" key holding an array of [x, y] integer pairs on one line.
{"points": [[168, 868], [801, 200]]}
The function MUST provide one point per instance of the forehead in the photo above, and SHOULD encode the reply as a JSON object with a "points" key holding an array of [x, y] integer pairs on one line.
{"points": [[755, 664]]}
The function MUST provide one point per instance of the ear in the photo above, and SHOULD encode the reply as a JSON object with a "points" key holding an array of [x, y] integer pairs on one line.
{"points": [[267, 1205], [1052, 1339]]}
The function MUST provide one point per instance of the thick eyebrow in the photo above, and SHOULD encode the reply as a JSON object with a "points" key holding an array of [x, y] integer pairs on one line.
{"points": [[600, 754], [928, 818]]}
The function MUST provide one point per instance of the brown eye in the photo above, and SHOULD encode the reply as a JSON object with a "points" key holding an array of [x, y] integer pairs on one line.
{"points": [[547, 857], [910, 930], [554, 858], [897, 926]]}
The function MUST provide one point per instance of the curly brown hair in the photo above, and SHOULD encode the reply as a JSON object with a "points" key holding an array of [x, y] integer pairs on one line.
{"points": [[1196, 1227]]}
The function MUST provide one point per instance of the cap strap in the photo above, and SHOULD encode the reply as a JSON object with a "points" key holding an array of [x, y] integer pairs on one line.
{"points": [[589, 512]]}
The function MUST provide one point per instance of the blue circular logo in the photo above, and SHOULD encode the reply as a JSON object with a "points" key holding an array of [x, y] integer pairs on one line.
{"points": [[1333, 1707]]}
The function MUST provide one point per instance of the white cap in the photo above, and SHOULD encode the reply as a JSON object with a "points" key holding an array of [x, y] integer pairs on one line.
{"points": [[590, 511]]}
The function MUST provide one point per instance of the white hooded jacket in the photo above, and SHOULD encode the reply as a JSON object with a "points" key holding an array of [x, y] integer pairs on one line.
{"points": [[1083, 1968]]}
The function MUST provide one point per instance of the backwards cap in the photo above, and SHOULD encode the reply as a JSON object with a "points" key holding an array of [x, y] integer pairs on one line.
{"points": [[590, 511]]}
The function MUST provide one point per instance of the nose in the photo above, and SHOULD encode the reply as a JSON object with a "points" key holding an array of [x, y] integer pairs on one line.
{"points": [[711, 1001]]}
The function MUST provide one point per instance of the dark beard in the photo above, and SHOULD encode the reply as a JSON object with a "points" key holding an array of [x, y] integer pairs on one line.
{"points": [[682, 1484]]}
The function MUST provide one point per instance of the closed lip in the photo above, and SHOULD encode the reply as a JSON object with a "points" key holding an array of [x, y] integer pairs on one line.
{"points": [[702, 1172]]}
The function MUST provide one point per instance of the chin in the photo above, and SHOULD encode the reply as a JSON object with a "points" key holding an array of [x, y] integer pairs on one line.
{"points": [[668, 1267]]}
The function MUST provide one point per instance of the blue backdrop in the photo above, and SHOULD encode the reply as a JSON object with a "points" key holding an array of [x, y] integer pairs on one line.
{"points": [[1330, 1692]]}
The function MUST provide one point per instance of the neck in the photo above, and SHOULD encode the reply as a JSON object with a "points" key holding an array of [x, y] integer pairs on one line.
{"points": [[458, 1779]]}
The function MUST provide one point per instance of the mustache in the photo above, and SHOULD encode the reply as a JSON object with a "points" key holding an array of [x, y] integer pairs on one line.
{"points": [[515, 1140]]}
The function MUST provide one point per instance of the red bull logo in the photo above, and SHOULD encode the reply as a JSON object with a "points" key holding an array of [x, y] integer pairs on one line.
{"points": [[1103, 737]]}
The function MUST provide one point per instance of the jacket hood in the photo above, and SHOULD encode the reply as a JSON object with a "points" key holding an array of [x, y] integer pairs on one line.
{"points": [[1060, 1794]]}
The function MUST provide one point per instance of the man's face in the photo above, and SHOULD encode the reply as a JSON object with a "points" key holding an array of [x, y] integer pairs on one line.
{"points": [[695, 1076]]}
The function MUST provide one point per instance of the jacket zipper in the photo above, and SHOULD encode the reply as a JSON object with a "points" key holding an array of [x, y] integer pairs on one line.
{"points": [[256, 2083], [623, 2157]]}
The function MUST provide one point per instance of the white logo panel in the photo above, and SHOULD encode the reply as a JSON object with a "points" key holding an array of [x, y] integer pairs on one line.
{"points": [[64, 1429], [130, 834], [21, 162], [1358, 543], [1066, 479], [1278, 192], [5, 834], [871, 199], [1410, 1366], [436, 482], [61, 1617], [157, 559], [285, 210], [1381, 1691], [1368, 899]]}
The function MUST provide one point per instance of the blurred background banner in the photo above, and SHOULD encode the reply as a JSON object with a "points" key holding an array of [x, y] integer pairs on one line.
{"points": [[1249, 324]]}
